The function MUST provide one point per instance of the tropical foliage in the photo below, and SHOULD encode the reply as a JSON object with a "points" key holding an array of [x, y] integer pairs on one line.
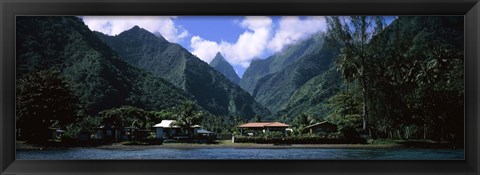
{"points": [[411, 81], [44, 100]]}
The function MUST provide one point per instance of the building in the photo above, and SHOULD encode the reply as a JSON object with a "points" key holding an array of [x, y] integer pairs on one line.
{"points": [[167, 129], [321, 128], [108, 132], [256, 127], [56, 133]]}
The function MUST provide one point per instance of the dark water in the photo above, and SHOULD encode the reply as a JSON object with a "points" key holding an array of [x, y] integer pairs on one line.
{"points": [[242, 153]]}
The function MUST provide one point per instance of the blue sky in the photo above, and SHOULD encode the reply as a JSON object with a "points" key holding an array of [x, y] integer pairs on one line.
{"points": [[240, 39]]}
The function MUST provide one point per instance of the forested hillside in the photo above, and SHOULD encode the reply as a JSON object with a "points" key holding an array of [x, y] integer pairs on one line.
{"points": [[94, 72], [406, 82], [275, 79], [170, 61]]}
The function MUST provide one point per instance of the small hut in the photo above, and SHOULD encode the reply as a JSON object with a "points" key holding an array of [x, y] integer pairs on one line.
{"points": [[321, 128]]}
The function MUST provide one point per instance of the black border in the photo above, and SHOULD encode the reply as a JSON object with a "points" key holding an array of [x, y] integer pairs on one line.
{"points": [[10, 8]]}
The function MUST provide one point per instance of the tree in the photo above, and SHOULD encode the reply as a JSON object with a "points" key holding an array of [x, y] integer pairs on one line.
{"points": [[354, 37], [345, 109], [414, 63], [127, 116], [43, 100], [302, 120], [188, 116], [257, 118]]}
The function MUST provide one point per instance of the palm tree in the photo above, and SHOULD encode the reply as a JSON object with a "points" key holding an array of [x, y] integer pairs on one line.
{"points": [[188, 116], [354, 33]]}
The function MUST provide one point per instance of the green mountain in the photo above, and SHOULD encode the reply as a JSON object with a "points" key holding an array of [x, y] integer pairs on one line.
{"points": [[274, 80], [311, 97], [220, 64], [212, 90], [94, 71], [262, 67]]}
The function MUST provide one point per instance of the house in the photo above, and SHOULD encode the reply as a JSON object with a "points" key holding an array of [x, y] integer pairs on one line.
{"points": [[143, 134], [166, 129], [108, 132], [255, 127], [128, 133], [203, 134], [321, 128], [56, 133]]}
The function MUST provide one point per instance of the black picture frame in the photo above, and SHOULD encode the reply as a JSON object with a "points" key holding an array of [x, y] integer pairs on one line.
{"points": [[10, 8]]}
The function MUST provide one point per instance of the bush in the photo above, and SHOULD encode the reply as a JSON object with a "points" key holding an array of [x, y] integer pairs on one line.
{"points": [[299, 140]]}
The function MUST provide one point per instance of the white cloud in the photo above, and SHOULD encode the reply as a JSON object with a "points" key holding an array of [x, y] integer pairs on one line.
{"points": [[204, 49], [258, 38], [114, 25], [293, 29], [249, 44]]}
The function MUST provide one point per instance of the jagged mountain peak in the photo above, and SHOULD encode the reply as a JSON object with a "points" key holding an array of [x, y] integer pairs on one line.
{"points": [[218, 59], [221, 65], [144, 33]]}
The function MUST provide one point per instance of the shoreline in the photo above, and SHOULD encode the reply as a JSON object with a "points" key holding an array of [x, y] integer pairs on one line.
{"points": [[247, 146], [226, 144]]}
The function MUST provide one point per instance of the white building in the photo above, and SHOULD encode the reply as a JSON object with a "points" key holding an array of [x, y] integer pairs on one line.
{"points": [[167, 129]]}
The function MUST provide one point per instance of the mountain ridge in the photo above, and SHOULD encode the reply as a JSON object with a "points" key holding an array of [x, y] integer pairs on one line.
{"points": [[212, 90], [98, 76], [274, 80], [221, 65]]}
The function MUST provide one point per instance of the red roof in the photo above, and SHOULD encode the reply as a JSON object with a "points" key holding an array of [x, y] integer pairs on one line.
{"points": [[263, 125]]}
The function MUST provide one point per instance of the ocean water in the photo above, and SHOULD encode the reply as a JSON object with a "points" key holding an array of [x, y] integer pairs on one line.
{"points": [[241, 153]]}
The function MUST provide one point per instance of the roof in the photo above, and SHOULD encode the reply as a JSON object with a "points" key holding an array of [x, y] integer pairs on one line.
{"points": [[168, 124], [202, 131], [165, 124], [320, 123], [263, 125]]}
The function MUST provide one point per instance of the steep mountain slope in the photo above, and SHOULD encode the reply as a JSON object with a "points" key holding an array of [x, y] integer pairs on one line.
{"points": [[95, 72], [221, 65], [394, 61], [275, 63], [288, 72], [311, 98], [211, 89]]}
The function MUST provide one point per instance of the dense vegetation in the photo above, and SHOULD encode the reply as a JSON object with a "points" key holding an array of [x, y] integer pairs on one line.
{"points": [[221, 65], [280, 81], [91, 70], [43, 100], [409, 83], [94, 72]]}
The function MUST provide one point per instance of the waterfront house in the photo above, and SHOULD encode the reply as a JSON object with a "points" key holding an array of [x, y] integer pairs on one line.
{"points": [[143, 134], [56, 133], [167, 129], [108, 132], [256, 127], [321, 128]]}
